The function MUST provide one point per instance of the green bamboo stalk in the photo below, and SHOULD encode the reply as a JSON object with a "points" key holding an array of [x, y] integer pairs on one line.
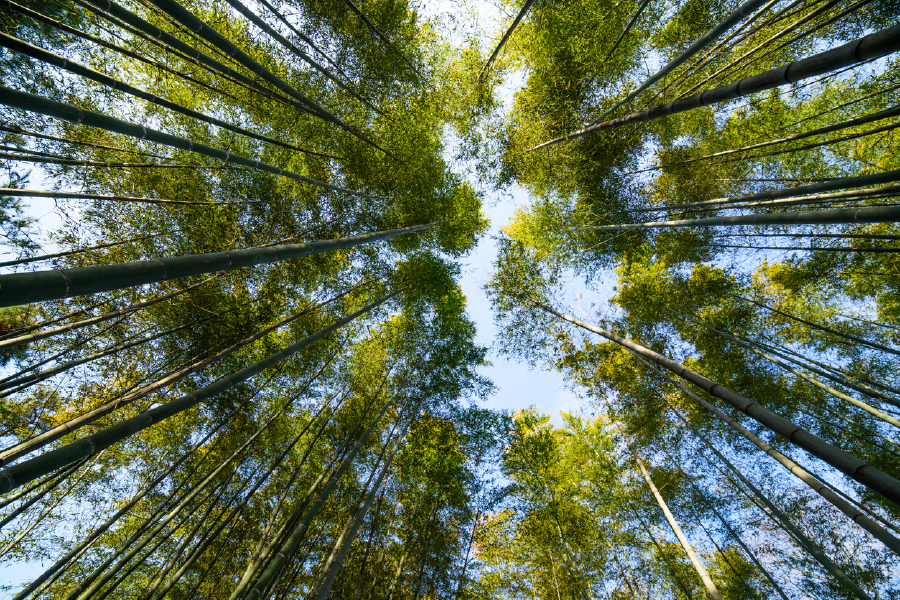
{"points": [[38, 286], [751, 345], [783, 32], [44, 136], [69, 252], [871, 214], [114, 12], [846, 336], [846, 463], [711, 590], [852, 512], [839, 183], [876, 116], [300, 35], [362, 17], [781, 519], [222, 523], [886, 192], [74, 162], [74, 114], [96, 533], [80, 592], [662, 553], [49, 488], [875, 45], [808, 249], [628, 26], [505, 37], [184, 17], [47, 373], [273, 571], [254, 18], [354, 531], [40, 335], [48, 57], [705, 40], [22, 473], [39, 441]]}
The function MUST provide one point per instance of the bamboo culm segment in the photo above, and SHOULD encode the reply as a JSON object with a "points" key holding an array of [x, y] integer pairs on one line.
{"points": [[505, 37], [704, 40], [839, 183], [29, 470], [799, 472], [872, 214], [116, 84], [74, 114], [875, 45], [273, 570], [844, 462], [38, 286]]}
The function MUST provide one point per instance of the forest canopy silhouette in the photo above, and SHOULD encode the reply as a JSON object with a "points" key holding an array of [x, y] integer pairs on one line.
{"points": [[236, 360]]}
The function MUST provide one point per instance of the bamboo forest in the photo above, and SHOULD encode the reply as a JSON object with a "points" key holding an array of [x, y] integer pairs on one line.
{"points": [[450, 299]]}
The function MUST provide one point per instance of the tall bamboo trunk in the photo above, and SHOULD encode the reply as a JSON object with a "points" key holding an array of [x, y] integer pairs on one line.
{"points": [[782, 520], [844, 462], [75, 114], [38, 286], [711, 589], [274, 569], [22, 473], [853, 513], [662, 553], [705, 40], [871, 214], [503, 40], [875, 45]]}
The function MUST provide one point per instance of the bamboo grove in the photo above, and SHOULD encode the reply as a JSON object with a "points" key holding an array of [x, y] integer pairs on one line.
{"points": [[237, 360]]}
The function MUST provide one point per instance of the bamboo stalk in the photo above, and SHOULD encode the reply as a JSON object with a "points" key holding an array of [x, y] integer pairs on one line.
{"points": [[875, 45], [705, 40], [38, 286], [503, 40], [75, 114], [846, 463], [22, 473], [69, 252], [870, 214]]}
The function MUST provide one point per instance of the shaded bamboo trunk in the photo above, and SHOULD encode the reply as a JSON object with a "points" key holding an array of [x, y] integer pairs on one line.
{"points": [[48, 57], [846, 463], [254, 18], [503, 40], [822, 386], [362, 17], [628, 26], [662, 553], [705, 40], [22, 473], [845, 336], [273, 570], [876, 116], [109, 9], [837, 183], [873, 214], [711, 590], [853, 513], [34, 443], [82, 592], [876, 45], [329, 581], [40, 335], [38, 286], [74, 162], [96, 533], [5, 192], [212, 535], [75, 114], [13, 128], [26, 381], [781, 519]]}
